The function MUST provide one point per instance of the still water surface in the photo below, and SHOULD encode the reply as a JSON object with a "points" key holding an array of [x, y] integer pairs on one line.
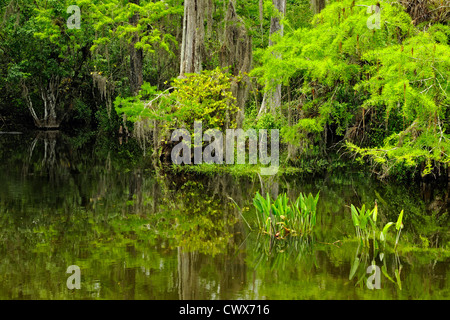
{"points": [[144, 234]]}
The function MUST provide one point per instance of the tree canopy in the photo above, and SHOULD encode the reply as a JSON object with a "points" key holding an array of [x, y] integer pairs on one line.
{"points": [[369, 81]]}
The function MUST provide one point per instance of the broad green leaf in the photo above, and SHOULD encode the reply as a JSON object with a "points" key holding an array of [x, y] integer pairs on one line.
{"points": [[354, 268], [354, 216], [399, 224], [386, 227], [375, 213], [384, 270]]}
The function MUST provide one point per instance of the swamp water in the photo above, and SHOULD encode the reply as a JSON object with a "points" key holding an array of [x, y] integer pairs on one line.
{"points": [[146, 234]]}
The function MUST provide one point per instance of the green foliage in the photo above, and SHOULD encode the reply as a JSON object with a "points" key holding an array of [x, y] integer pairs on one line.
{"points": [[409, 151], [281, 217], [268, 121], [384, 92], [135, 107], [396, 77], [82, 112], [361, 219], [205, 97], [152, 32], [37, 46], [365, 223], [112, 21], [105, 123]]}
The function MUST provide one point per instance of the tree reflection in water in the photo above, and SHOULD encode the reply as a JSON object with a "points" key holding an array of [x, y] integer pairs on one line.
{"points": [[149, 234]]}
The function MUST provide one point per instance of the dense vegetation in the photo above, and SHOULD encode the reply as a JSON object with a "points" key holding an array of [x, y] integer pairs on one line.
{"points": [[336, 77]]}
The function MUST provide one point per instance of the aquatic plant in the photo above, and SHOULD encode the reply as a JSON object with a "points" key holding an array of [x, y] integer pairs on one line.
{"points": [[365, 223], [281, 217], [398, 227], [305, 211], [361, 218]]}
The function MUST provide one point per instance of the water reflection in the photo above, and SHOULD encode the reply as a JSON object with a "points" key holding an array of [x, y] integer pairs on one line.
{"points": [[366, 269], [150, 234]]}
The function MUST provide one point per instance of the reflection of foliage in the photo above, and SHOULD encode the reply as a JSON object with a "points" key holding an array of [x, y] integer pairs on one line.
{"points": [[361, 262], [121, 227], [426, 217], [278, 254], [195, 222]]}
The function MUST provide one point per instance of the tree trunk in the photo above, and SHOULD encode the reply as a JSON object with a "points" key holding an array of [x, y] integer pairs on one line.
{"points": [[317, 6], [136, 57], [272, 97], [236, 54], [49, 95], [192, 46], [188, 266]]}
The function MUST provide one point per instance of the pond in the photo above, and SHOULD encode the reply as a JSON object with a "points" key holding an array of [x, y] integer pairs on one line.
{"points": [[137, 232]]}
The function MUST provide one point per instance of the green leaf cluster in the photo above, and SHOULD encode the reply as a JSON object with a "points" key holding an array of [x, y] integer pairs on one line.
{"points": [[365, 223], [281, 217], [379, 89]]}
